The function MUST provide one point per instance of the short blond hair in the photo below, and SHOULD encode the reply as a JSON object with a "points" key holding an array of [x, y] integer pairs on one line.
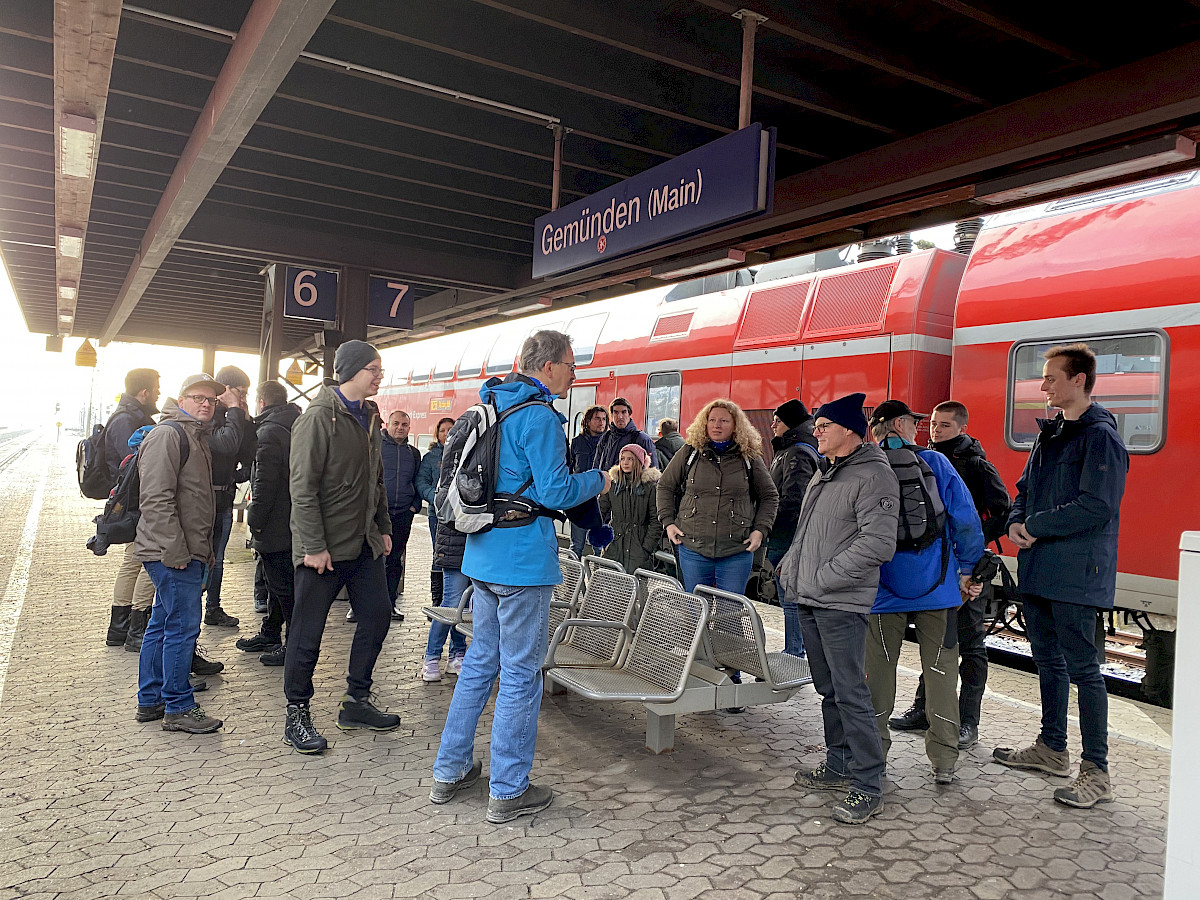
{"points": [[745, 435]]}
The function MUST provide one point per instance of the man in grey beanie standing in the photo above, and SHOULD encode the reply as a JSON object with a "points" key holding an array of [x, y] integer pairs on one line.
{"points": [[341, 535]]}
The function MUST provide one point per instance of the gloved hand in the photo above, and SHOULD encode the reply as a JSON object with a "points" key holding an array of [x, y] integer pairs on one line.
{"points": [[601, 536]]}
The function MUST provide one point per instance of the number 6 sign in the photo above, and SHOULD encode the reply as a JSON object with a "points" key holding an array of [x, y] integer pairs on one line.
{"points": [[310, 294], [389, 303]]}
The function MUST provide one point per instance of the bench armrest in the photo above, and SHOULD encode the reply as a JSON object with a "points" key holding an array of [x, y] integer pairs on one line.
{"points": [[560, 632]]}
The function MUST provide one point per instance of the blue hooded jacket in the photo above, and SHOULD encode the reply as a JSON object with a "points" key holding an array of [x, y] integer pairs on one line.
{"points": [[532, 444], [1069, 498], [911, 580]]}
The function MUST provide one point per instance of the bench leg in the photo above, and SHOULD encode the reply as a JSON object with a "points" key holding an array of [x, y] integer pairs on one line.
{"points": [[552, 687], [660, 733]]}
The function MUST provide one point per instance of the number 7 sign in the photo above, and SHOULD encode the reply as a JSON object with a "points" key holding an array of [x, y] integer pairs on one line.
{"points": [[389, 303]]}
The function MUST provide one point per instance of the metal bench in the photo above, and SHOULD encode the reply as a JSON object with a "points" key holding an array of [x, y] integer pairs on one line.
{"points": [[648, 581], [452, 615], [562, 604], [737, 640], [610, 596]]}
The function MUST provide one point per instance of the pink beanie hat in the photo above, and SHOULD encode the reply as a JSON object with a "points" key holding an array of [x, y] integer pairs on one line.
{"points": [[640, 452]]}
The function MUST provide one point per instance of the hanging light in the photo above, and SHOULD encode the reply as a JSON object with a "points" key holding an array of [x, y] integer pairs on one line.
{"points": [[86, 355], [294, 374]]}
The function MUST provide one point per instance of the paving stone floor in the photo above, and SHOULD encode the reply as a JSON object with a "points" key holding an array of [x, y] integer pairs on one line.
{"points": [[94, 805]]}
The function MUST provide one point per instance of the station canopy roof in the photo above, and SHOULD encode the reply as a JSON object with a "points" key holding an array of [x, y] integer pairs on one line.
{"points": [[414, 139]]}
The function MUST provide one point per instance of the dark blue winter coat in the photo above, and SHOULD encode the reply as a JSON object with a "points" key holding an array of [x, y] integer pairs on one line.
{"points": [[401, 464], [1069, 498], [917, 580], [583, 451]]}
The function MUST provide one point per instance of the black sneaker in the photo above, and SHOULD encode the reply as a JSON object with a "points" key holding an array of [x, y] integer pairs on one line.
{"points": [[202, 666], [194, 721], [300, 732], [857, 808], [256, 644], [214, 615], [968, 737], [273, 657], [397, 616], [535, 799], [444, 791], [912, 719], [354, 714], [151, 713]]}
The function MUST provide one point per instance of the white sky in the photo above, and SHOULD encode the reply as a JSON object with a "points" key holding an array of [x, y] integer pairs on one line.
{"points": [[34, 381]]}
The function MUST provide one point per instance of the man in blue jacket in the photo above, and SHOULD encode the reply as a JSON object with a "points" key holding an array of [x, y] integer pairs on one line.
{"points": [[401, 462], [514, 571], [927, 585], [1065, 521]]}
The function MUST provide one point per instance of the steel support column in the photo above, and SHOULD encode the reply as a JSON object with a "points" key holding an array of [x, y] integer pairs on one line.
{"points": [[750, 22], [352, 304], [556, 182], [208, 359], [271, 340]]}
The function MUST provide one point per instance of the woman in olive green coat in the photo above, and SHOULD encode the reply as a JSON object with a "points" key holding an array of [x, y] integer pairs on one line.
{"points": [[631, 509]]}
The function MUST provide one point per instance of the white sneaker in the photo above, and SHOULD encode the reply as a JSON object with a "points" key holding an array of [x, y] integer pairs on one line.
{"points": [[454, 666], [430, 672]]}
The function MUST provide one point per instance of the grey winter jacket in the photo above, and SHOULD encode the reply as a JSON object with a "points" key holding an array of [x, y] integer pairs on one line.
{"points": [[846, 531]]}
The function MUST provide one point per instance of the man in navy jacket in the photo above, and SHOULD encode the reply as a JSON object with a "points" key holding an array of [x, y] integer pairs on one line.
{"points": [[1065, 521], [401, 463]]}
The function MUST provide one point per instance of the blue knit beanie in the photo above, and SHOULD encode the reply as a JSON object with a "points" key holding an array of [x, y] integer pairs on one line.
{"points": [[846, 411]]}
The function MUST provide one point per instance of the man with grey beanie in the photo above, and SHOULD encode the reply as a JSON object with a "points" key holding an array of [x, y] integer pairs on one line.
{"points": [[341, 536]]}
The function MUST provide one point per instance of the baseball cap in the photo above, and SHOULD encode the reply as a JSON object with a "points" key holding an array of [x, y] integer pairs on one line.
{"points": [[893, 409], [202, 380]]}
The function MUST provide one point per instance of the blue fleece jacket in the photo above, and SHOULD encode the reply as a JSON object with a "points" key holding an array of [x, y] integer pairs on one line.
{"points": [[915, 581], [532, 444]]}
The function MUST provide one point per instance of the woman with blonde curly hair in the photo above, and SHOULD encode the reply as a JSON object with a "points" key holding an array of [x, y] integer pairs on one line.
{"points": [[716, 499]]}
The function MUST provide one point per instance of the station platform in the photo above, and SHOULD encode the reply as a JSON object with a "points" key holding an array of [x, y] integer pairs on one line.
{"points": [[94, 805]]}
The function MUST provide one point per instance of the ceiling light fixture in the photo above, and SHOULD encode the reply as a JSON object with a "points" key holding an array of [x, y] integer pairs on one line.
{"points": [[540, 305], [70, 242], [68, 290], [1128, 160], [77, 144]]}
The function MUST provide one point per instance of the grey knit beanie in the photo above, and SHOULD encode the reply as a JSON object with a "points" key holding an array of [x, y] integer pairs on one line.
{"points": [[351, 358]]}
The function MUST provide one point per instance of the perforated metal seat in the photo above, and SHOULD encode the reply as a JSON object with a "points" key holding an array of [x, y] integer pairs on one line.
{"points": [[737, 641], [610, 596], [648, 581], [655, 658], [452, 615]]}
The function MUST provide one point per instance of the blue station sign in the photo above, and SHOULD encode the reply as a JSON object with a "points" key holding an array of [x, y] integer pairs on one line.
{"points": [[310, 294], [731, 178], [389, 303]]}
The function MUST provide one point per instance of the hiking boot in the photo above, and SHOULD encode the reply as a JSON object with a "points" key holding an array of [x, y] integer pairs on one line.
{"points": [[535, 799], [194, 721], [202, 666], [1038, 757], [912, 719], [138, 620], [1091, 787], [118, 626], [430, 671], [454, 666], [822, 779], [354, 714], [350, 617], [943, 776], [968, 737], [151, 713], [260, 606], [257, 644], [300, 732], [214, 615], [857, 807], [397, 616], [444, 791], [273, 657]]}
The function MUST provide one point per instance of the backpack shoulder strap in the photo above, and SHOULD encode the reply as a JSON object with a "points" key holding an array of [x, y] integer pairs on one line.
{"points": [[185, 449], [810, 450]]}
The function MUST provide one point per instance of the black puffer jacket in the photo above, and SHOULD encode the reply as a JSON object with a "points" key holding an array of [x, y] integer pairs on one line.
{"points": [[991, 497], [792, 468], [448, 547], [232, 443], [270, 499]]}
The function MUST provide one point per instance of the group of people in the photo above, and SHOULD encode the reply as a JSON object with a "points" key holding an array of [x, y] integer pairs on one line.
{"points": [[866, 532]]}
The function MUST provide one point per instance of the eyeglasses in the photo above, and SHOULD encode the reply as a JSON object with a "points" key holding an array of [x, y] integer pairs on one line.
{"points": [[377, 371], [570, 366], [822, 427], [200, 399]]}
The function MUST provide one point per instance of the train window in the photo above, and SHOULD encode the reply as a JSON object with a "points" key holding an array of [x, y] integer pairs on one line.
{"points": [[475, 355], [1131, 381], [663, 393], [445, 364], [505, 350], [421, 364], [585, 334]]}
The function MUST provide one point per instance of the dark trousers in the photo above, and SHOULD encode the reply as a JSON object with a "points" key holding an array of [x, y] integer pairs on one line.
{"points": [[836, 642], [972, 661], [366, 582], [279, 574], [222, 528], [1062, 638], [401, 529]]}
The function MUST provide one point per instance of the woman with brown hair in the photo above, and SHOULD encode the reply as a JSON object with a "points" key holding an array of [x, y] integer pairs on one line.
{"points": [[631, 507], [716, 499]]}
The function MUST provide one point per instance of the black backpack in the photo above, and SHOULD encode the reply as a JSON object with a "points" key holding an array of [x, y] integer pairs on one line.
{"points": [[91, 465], [922, 515], [118, 523]]}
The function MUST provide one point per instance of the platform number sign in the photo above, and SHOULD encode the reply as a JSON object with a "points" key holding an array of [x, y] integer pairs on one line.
{"points": [[390, 303], [310, 294]]}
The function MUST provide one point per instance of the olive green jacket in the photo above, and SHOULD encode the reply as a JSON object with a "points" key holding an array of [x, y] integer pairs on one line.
{"points": [[336, 481]]}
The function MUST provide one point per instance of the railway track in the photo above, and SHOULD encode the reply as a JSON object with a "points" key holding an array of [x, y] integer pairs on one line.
{"points": [[13, 444]]}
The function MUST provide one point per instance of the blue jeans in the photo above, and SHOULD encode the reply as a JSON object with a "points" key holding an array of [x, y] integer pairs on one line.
{"points": [[837, 659], [1062, 638], [454, 583], [221, 531], [578, 539], [511, 626], [729, 573], [166, 658], [793, 639]]}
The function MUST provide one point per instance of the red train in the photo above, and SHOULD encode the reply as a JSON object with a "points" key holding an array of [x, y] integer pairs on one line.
{"points": [[1119, 269]]}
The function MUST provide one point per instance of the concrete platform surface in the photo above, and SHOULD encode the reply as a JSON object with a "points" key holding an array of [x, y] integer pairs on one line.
{"points": [[94, 805]]}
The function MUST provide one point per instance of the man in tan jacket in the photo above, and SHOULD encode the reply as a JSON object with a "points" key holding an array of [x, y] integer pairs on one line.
{"points": [[174, 543]]}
